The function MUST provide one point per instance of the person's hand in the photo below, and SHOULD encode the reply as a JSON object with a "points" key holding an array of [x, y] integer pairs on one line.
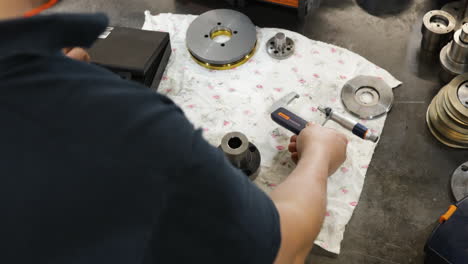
{"points": [[77, 54], [317, 141]]}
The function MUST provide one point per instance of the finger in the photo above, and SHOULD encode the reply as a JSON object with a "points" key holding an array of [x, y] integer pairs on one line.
{"points": [[79, 54], [294, 138], [292, 147], [295, 157]]}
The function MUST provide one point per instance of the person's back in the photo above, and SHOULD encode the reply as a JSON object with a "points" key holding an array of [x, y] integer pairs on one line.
{"points": [[100, 170]]}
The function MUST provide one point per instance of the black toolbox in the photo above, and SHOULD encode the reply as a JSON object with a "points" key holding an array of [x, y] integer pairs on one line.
{"points": [[134, 54]]}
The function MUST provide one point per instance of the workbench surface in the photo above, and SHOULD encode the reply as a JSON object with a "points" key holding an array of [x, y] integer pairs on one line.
{"points": [[407, 185]]}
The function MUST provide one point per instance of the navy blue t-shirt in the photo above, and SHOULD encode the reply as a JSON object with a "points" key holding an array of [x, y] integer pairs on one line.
{"points": [[95, 169]]}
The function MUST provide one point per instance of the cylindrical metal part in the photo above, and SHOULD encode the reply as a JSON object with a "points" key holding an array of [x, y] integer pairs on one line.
{"points": [[280, 41], [371, 136], [454, 56], [344, 121], [464, 33], [241, 153], [437, 30]]}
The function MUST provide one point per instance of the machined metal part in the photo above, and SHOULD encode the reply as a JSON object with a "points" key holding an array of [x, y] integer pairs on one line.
{"points": [[241, 153], [280, 47], [367, 97], [454, 56], [447, 115], [437, 30], [459, 182], [221, 39]]}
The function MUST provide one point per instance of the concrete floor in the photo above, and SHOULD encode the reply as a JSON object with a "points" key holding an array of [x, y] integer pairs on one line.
{"points": [[407, 184]]}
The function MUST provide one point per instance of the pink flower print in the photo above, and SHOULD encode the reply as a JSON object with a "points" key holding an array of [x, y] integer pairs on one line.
{"points": [[315, 52], [377, 67], [363, 121], [333, 50], [316, 75], [344, 190], [257, 72], [343, 77], [313, 109], [294, 69], [206, 129], [247, 112], [211, 70], [232, 90], [365, 166], [380, 78], [191, 106], [374, 131], [168, 90], [165, 78], [226, 123], [302, 81], [279, 90], [271, 185], [185, 68], [333, 100], [211, 87], [217, 97], [327, 213], [341, 62], [344, 169], [174, 50], [259, 86], [298, 55], [306, 95], [353, 203], [280, 148]]}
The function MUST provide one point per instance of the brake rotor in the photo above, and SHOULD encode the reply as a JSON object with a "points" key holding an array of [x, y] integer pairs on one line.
{"points": [[367, 97], [221, 39]]}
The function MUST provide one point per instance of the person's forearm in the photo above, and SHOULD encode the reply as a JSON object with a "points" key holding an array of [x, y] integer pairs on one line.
{"points": [[301, 202]]}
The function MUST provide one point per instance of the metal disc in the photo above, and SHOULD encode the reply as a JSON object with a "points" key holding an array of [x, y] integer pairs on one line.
{"points": [[459, 183], [463, 94], [367, 97], [280, 51], [202, 33]]}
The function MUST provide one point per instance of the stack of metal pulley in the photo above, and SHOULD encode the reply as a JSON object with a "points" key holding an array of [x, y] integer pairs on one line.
{"points": [[447, 115]]}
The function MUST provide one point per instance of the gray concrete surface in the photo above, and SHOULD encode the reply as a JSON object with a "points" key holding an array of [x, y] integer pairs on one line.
{"points": [[407, 184]]}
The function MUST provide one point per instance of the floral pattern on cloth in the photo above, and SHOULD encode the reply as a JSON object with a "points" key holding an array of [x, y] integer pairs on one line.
{"points": [[219, 102]]}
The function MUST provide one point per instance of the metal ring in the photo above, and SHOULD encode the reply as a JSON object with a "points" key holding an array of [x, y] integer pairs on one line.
{"points": [[379, 97], [204, 46]]}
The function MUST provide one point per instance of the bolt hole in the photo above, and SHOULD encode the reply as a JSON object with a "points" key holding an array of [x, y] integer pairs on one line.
{"points": [[219, 23], [276, 52], [206, 36], [235, 32], [235, 143], [272, 43], [222, 44], [252, 149], [464, 168], [288, 49]]}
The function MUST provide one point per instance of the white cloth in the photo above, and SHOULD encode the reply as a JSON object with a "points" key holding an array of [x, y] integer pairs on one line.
{"points": [[238, 100]]}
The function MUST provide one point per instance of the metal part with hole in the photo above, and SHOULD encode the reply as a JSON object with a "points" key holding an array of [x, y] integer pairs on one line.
{"points": [[437, 30], [459, 182], [447, 115], [238, 46], [367, 97], [280, 47], [241, 153], [454, 56]]}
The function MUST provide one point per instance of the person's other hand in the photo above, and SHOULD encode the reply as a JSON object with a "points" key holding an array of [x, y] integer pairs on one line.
{"points": [[317, 141], [77, 54]]}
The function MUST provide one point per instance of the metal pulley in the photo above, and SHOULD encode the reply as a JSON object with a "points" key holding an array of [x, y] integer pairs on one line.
{"points": [[454, 56], [241, 153], [221, 39]]}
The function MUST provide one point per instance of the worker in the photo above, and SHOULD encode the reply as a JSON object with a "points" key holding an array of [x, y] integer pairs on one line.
{"points": [[96, 169]]}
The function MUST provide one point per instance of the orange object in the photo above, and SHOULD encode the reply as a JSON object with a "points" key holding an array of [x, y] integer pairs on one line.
{"points": [[448, 214], [284, 116], [292, 3], [41, 8]]}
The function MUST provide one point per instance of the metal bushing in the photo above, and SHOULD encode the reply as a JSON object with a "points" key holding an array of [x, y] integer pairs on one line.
{"points": [[205, 41], [367, 97], [447, 115], [280, 47], [454, 56], [241, 153], [459, 182], [437, 30]]}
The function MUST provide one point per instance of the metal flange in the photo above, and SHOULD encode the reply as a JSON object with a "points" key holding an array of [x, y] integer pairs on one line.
{"points": [[367, 97], [280, 47], [209, 50], [454, 56], [241, 153], [459, 182], [437, 30]]}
